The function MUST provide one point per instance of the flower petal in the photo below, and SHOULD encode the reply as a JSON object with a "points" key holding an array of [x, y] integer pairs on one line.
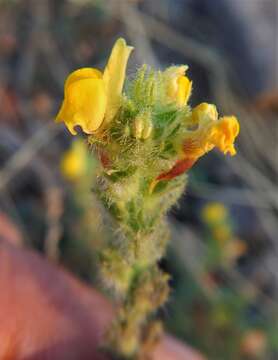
{"points": [[84, 104], [81, 74], [178, 86], [114, 76], [184, 90]]}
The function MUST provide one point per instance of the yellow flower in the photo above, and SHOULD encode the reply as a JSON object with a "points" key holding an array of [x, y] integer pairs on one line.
{"points": [[74, 161], [214, 212], [178, 86], [91, 98], [210, 133]]}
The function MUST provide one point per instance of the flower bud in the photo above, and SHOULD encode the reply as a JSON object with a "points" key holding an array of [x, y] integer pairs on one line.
{"points": [[142, 127], [178, 86]]}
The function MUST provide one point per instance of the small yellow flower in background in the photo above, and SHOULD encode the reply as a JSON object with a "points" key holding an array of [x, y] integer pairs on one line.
{"points": [[216, 216], [214, 212], [91, 98], [74, 163], [178, 86]]}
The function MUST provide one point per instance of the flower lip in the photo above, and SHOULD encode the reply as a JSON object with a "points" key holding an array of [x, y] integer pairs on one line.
{"points": [[80, 107]]}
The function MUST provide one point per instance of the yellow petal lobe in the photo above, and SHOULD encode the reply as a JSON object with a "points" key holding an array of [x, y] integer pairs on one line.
{"points": [[227, 130]]}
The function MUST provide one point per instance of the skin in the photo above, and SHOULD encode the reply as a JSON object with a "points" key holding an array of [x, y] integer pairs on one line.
{"points": [[48, 314]]}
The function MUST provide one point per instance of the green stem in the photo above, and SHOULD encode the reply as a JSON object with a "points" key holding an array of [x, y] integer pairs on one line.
{"points": [[130, 264]]}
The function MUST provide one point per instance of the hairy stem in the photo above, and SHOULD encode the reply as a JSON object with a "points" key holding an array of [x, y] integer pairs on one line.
{"points": [[129, 261]]}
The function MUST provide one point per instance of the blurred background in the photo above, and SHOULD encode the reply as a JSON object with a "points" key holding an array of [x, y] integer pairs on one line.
{"points": [[224, 250]]}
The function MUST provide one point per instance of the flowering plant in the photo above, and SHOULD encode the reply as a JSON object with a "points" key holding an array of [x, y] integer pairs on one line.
{"points": [[146, 138]]}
